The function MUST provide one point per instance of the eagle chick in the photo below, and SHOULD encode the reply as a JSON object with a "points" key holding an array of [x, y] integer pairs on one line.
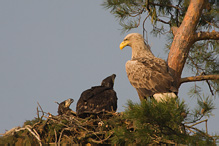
{"points": [[98, 99], [64, 107]]}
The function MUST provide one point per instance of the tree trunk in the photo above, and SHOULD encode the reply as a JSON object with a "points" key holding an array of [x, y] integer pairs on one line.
{"points": [[184, 38]]}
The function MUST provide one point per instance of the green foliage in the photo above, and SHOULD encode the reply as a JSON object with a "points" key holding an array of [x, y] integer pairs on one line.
{"points": [[155, 120], [203, 108], [165, 11], [149, 122], [32, 122], [157, 10], [203, 59], [158, 122]]}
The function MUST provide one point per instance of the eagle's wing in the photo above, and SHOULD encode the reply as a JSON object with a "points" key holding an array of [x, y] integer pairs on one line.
{"points": [[148, 75], [89, 93], [102, 99], [61, 108]]}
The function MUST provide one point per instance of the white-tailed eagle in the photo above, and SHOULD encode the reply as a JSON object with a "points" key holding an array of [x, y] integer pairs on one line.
{"points": [[98, 99], [147, 73]]}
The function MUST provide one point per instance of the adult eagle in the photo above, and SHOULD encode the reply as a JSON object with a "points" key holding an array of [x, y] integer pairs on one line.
{"points": [[98, 99], [147, 73]]}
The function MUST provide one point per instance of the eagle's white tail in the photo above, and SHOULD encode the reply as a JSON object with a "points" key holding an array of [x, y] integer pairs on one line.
{"points": [[164, 96]]}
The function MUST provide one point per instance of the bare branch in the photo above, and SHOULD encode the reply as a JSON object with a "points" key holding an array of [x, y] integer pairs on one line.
{"points": [[12, 131], [60, 136], [201, 132], [101, 141], [199, 78], [214, 35], [199, 122], [55, 137], [34, 133]]}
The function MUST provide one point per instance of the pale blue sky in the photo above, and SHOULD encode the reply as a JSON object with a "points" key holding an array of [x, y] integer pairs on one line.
{"points": [[52, 50]]}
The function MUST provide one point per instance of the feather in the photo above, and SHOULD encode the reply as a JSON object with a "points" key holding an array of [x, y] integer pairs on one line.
{"points": [[147, 73], [98, 99]]}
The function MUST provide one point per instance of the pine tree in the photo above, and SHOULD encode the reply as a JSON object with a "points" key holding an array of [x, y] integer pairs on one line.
{"points": [[191, 27], [191, 30]]}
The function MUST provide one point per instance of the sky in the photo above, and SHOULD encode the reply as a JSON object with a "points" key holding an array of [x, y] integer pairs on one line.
{"points": [[53, 50]]}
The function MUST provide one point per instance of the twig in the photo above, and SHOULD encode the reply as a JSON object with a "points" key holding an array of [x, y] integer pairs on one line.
{"points": [[70, 139], [209, 86], [137, 13], [144, 30], [158, 19], [100, 141], [196, 66], [60, 136], [40, 106], [206, 126], [155, 4], [36, 135], [55, 137], [56, 102], [12, 131], [198, 131], [41, 110], [199, 122], [195, 120], [45, 123], [38, 113], [190, 130]]}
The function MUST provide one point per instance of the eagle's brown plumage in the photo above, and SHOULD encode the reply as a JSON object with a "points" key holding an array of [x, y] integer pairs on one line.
{"points": [[98, 99], [147, 73], [64, 107]]}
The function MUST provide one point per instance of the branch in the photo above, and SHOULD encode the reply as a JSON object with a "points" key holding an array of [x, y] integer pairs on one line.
{"points": [[199, 122], [184, 39], [201, 132], [163, 21], [174, 30], [35, 134], [199, 78], [100, 141], [214, 35], [27, 127], [156, 4]]}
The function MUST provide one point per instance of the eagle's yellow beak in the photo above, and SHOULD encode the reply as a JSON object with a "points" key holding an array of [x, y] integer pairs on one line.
{"points": [[123, 44]]}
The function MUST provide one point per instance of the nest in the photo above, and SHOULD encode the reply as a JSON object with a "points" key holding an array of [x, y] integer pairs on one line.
{"points": [[68, 129]]}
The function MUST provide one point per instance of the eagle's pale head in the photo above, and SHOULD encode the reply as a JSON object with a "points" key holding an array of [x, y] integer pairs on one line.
{"points": [[139, 47], [131, 39], [68, 102]]}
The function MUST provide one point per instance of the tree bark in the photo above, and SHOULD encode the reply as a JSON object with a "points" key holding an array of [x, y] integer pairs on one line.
{"points": [[184, 38], [214, 35], [199, 78]]}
